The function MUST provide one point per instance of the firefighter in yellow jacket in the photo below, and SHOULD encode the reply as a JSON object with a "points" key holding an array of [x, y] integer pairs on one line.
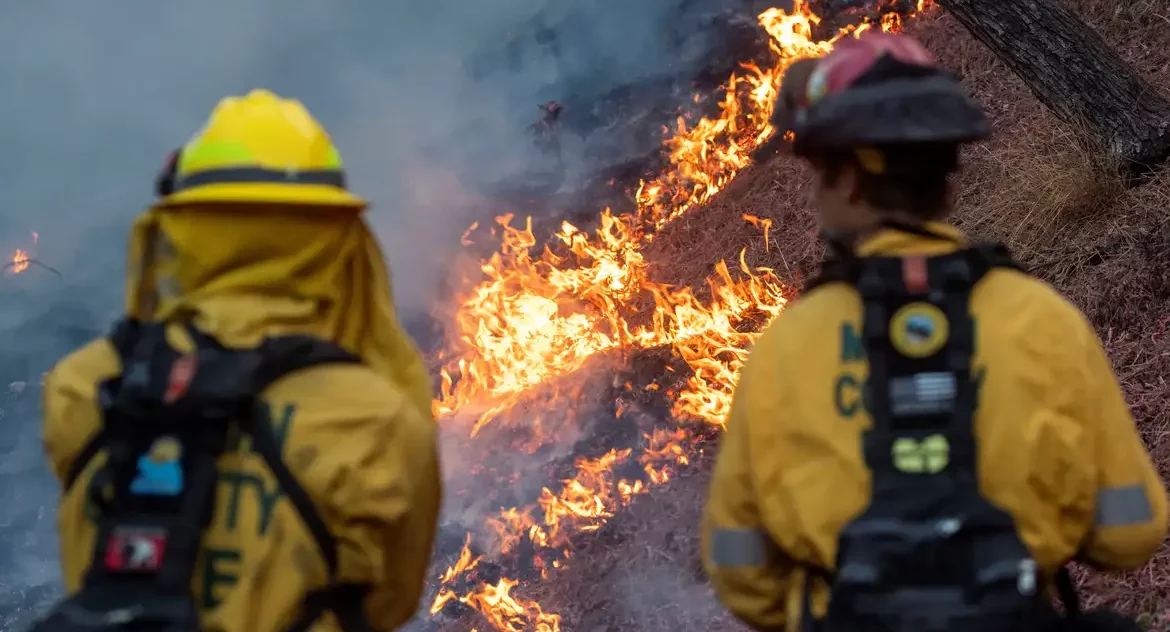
{"points": [[929, 434], [323, 514]]}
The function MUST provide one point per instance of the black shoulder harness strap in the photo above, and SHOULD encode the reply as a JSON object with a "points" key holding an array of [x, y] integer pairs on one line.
{"points": [[981, 257], [929, 552], [166, 420]]}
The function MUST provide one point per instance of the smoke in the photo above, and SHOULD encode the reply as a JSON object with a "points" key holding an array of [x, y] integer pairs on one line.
{"points": [[665, 596], [425, 100], [526, 445]]}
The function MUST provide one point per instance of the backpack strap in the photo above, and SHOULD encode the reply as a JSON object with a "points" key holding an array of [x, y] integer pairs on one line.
{"points": [[199, 402], [156, 491], [982, 257], [1066, 589], [833, 270], [277, 358], [929, 552], [985, 256], [122, 338], [283, 356]]}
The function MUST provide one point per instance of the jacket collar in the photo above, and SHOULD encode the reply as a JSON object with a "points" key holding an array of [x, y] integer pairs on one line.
{"points": [[892, 242]]}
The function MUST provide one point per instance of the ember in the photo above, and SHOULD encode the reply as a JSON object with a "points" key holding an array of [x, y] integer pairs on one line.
{"points": [[540, 315]]}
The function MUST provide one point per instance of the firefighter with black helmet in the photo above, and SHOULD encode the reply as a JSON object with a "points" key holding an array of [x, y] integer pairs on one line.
{"points": [[252, 447], [929, 435]]}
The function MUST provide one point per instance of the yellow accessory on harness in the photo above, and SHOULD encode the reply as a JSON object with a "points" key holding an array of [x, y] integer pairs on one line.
{"points": [[919, 330]]}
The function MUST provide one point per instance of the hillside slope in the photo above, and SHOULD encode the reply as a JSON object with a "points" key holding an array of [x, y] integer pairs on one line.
{"points": [[1036, 185]]}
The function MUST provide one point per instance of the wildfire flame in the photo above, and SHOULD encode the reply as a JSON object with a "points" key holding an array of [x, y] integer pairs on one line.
{"points": [[19, 262], [21, 259], [540, 315]]}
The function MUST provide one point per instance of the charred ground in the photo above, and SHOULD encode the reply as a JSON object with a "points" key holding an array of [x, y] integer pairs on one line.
{"points": [[1039, 185]]}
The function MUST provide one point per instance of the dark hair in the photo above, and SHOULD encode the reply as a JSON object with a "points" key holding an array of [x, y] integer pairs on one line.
{"points": [[912, 178]]}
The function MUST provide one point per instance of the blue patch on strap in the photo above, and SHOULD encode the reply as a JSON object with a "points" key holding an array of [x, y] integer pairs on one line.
{"points": [[157, 479]]}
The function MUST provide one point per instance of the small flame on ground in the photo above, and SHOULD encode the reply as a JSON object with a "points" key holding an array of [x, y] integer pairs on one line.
{"points": [[19, 262], [764, 224], [21, 259]]}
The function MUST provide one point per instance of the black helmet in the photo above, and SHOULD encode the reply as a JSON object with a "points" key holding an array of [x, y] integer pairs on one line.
{"points": [[875, 90]]}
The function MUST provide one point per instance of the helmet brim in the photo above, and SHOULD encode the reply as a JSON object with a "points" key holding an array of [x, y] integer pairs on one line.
{"points": [[904, 111], [266, 193]]}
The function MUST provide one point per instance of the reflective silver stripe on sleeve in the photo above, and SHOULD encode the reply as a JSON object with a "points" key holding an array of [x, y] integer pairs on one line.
{"points": [[1123, 506], [739, 547]]}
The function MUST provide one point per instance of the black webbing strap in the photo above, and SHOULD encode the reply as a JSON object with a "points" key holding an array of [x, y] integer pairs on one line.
{"points": [[879, 280], [228, 388], [913, 393], [986, 256], [957, 281], [280, 357], [882, 287], [808, 619], [122, 338], [982, 257], [874, 277], [1067, 591], [161, 478], [345, 601], [833, 271]]}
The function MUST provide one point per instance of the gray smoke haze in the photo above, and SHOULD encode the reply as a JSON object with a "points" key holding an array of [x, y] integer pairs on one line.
{"points": [[95, 93]]}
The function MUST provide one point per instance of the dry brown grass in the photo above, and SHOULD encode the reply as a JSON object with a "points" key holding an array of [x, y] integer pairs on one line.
{"points": [[1038, 185]]}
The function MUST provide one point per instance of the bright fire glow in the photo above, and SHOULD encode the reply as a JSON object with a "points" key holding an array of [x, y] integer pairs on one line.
{"points": [[19, 262]]}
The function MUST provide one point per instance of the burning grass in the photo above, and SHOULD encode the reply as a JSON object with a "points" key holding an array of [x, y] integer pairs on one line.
{"points": [[667, 298], [540, 315]]}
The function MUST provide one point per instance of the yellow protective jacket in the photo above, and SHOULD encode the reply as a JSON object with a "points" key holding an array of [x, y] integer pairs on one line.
{"points": [[357, 438], [1057, 446]]}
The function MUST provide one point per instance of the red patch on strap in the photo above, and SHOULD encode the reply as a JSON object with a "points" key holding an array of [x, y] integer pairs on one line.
{"points": [[135, 549], [182, 372], [914, 275]]}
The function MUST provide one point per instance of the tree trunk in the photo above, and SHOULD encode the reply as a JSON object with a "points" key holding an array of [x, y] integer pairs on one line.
{"points": [[1073, 71]]}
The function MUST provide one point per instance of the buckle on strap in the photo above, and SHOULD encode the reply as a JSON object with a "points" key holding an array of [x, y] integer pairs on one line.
{"points": [[136, 549]]}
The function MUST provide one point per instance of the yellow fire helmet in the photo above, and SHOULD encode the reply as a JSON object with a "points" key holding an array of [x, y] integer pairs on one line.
{"points": [[261, 148]]}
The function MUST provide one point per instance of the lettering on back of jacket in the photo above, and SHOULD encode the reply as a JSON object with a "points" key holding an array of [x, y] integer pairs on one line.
{"points": [[221, 565]]}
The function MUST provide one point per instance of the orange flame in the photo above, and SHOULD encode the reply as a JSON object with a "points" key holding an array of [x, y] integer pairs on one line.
{"points": [[21, 259], [19, 262], [538, 315]]}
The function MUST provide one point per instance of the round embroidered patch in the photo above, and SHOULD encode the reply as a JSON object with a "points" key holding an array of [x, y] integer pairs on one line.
{"points": [[919, 330]]}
